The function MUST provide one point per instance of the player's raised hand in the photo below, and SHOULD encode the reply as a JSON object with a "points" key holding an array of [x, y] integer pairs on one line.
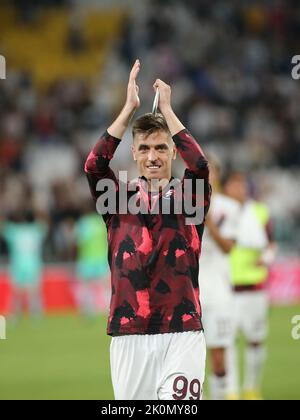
{"points": [[133, 100], [164, 103], [119, 126]]}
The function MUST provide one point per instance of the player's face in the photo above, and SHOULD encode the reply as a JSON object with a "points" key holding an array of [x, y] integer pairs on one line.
{"points": [[237, 188], [154, 155]]}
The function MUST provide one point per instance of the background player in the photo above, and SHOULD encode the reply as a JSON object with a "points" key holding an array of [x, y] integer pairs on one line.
{"points": [[24, 234], [215, 282], [92, 268], [158, 347], [250, 257]]}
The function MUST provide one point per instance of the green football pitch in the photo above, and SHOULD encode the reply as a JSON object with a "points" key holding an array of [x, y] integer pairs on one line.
{"points": [[65, 357]]}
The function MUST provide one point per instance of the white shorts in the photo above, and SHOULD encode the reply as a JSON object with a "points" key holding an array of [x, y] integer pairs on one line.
{"points": [[251, 315], [158, 367], [217, 321]]}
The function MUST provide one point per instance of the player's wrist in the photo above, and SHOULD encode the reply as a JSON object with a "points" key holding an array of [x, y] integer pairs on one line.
{"points": [[129, 109], [166, 110]]}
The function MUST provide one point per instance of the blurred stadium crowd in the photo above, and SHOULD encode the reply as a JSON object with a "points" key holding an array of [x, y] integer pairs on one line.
{"points": [[229, 64]]}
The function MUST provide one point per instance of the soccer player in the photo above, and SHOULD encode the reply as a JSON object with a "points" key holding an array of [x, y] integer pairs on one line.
{"points": [[158, 348], [92, 267], [215, 282], [250, 257], [24, 237]]}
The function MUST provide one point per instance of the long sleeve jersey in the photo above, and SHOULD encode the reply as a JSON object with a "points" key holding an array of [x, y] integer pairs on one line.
{"points": [[154, 258]]}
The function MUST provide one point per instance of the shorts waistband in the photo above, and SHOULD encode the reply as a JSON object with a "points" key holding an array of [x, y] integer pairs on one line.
{"points": [[249, 288]]}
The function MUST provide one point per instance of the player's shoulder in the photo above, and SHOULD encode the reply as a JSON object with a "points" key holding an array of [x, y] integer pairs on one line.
{"points": [[226, 203]]}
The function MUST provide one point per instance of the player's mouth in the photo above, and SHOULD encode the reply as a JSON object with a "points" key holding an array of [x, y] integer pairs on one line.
{"points": [[153, 167]]}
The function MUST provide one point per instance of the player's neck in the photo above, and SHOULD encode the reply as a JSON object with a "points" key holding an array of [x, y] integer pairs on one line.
{"points": [[155, 185]]}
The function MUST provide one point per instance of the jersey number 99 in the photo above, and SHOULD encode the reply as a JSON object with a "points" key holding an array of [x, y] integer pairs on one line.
{"points": [[182, 388]]}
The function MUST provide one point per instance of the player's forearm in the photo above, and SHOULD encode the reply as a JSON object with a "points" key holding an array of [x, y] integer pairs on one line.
{"points": [[174, 124], [224, 244], [102, 153], [187, 146], [120, 125]]}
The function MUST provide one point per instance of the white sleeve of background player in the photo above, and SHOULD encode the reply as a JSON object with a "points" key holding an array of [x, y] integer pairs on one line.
{"points": [[230, 227]]}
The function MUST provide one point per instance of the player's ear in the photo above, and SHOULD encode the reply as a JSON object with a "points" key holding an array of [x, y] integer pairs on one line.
{"points": [[133, 150], [174, 152]]}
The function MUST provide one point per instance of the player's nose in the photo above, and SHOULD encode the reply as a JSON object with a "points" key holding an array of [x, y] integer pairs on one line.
{"points": [[152, 156]]}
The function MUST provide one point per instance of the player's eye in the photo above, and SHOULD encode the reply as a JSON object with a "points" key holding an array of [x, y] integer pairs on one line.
{"points": [[162, 148], [143, 149]]}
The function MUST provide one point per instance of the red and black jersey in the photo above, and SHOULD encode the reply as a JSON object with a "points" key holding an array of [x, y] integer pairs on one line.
{"points": [[154, 258]]}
